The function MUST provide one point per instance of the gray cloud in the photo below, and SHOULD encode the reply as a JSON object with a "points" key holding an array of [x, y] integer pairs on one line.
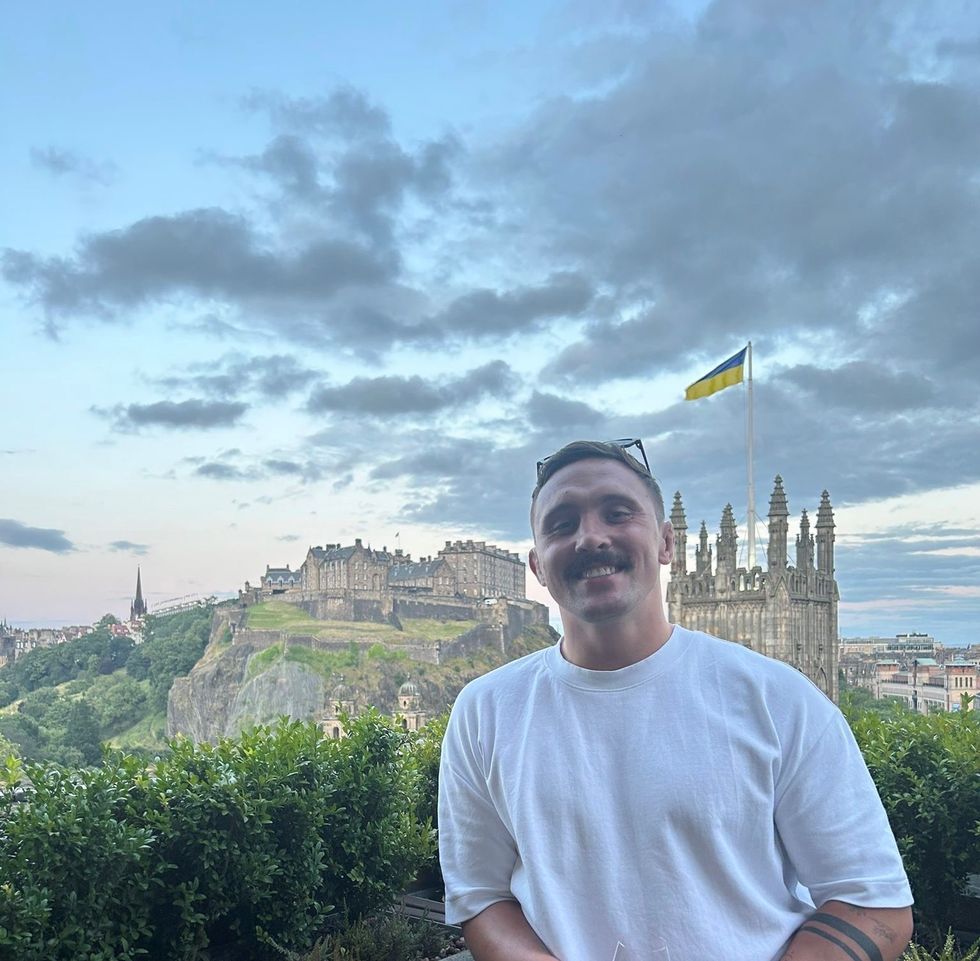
{"points": [[272, 376], [62, 162], [203, 253], [486, 313], [863, 386], [345, 112], [129, 547], [192, 414], [396, 396], [546, 411], [15, 534], [217, 470]]}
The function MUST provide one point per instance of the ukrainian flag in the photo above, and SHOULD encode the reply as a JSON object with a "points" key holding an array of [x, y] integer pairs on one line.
{"points": [[726, 374]]}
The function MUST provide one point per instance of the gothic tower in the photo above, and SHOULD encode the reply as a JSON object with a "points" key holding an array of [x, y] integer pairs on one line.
{"points": [[727, 543], [138, 607], [778, 527], [679, 522], [825, 536], [702, 554], [804, 546]]}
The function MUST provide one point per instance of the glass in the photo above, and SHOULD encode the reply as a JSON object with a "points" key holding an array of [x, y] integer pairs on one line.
{"points": [[626, 443]]}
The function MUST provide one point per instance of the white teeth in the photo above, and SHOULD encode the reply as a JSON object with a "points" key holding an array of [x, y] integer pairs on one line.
{"points": [[599, 571]]}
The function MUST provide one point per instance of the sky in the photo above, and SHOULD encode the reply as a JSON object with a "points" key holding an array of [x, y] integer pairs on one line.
{"points": [[277, 276]]}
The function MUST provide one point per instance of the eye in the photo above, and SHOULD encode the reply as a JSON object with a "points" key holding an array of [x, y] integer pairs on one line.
{"points": [[618, 514], [562, 526]]}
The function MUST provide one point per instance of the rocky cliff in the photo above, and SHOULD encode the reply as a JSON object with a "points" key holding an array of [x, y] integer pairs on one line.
{"points": [[264, 675]]}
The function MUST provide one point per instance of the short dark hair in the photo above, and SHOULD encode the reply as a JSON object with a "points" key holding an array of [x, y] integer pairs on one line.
{"points": [[584, 450]]}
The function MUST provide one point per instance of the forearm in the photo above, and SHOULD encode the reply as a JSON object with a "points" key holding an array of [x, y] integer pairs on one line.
{"points": [[501, 933], [845, 932]]}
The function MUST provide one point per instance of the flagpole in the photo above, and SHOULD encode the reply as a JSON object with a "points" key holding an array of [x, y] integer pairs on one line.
{"points": [[749, 440]]}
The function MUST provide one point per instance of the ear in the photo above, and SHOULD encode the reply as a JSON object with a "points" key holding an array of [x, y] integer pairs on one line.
{"points": [[534, 564], [666, 553]]}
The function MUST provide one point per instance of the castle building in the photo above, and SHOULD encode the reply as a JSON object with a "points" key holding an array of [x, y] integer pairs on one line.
{"points": [[471, 569], [138, 607], [786, 611]]}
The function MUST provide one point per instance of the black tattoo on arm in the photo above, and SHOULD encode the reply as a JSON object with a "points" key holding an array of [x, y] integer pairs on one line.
{"points": [[855, 934], [820, 933]]}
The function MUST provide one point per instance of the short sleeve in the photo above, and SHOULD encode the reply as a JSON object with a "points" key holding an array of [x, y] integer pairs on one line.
{"points": [[477, 853], [833, 826]]}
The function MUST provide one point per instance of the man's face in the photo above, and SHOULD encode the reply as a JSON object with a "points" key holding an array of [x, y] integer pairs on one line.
{"points": [[598, 544]]}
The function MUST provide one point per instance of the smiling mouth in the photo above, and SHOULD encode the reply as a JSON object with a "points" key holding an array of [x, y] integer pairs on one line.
{"points": [[597, 572]]}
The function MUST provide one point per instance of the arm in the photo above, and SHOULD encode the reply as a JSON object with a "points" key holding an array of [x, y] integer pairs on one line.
{"points": [[845, 932], [501, 933]]}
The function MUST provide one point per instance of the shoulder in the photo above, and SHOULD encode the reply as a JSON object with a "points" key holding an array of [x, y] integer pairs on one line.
{"points": [[502, 683]]}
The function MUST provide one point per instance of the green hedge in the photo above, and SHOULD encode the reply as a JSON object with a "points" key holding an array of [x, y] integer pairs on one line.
{"points": [[267, 839], [927, 771]]}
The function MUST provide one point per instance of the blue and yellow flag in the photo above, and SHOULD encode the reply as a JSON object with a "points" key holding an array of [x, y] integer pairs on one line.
{"points": [[726, 374]]}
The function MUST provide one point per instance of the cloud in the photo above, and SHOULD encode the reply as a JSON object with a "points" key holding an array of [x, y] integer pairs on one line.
{"points": [[346, 113], [289, 538], [129, 547], [216, 470], [272, 376], [397, 396], [486, 313], [192, 414], [550, 411], [15, 534], [205, 253], [61, 162]]}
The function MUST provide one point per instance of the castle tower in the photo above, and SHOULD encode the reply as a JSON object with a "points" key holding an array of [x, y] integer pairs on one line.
{"points": [[138, 607], [804, 545], [825, 536], [678, 521], [702, 555], [778, 527], [727, 542]]}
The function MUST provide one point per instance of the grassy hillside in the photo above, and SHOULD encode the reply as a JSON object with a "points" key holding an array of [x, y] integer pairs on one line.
{"points": [[281, 616]]}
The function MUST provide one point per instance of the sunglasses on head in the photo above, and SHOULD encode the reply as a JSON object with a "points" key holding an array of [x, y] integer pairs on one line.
{"points": [[625, 442]]}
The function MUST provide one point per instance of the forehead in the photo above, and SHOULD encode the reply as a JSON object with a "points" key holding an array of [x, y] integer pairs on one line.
{"points": [[589, 479]]}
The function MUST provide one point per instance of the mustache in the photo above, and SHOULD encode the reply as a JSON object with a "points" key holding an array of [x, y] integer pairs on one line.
{"points": [[606, 558]]}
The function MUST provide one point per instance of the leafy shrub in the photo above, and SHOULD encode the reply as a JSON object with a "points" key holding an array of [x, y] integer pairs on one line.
{"points": [[948, 952], [426, 749], [75, 875], [384, 938], [263, 840], [927, 770]]}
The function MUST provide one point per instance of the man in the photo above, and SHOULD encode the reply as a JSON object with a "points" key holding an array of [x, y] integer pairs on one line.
{"points": [[641, 785]]}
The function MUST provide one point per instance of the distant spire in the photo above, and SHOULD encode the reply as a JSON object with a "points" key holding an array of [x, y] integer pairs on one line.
{"points": [[804, 545], [778, 527], [727, 541], [825, 535], [138, 607], [679, 522]]}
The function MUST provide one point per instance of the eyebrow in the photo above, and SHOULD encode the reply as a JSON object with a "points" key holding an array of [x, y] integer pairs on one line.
{"points": [[604, 501]]}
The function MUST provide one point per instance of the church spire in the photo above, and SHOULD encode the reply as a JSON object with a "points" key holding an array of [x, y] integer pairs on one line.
{"points": [[825, 535], [702, 554], [778, 526], [727, 541], [678, 521], [138, 607], [804, 545]]}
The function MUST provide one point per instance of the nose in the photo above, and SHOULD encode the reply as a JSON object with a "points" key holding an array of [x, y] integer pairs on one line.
{"points": [[592, 534]]}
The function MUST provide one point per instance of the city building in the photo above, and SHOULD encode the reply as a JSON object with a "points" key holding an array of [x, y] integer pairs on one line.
{"points": [[926, 686], [786, 611]]}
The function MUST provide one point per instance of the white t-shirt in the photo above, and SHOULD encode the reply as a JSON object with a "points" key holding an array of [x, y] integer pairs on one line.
{"points": [[686, 797]]}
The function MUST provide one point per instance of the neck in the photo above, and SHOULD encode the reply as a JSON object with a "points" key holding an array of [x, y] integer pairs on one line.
{"points": [[613, 645]]}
